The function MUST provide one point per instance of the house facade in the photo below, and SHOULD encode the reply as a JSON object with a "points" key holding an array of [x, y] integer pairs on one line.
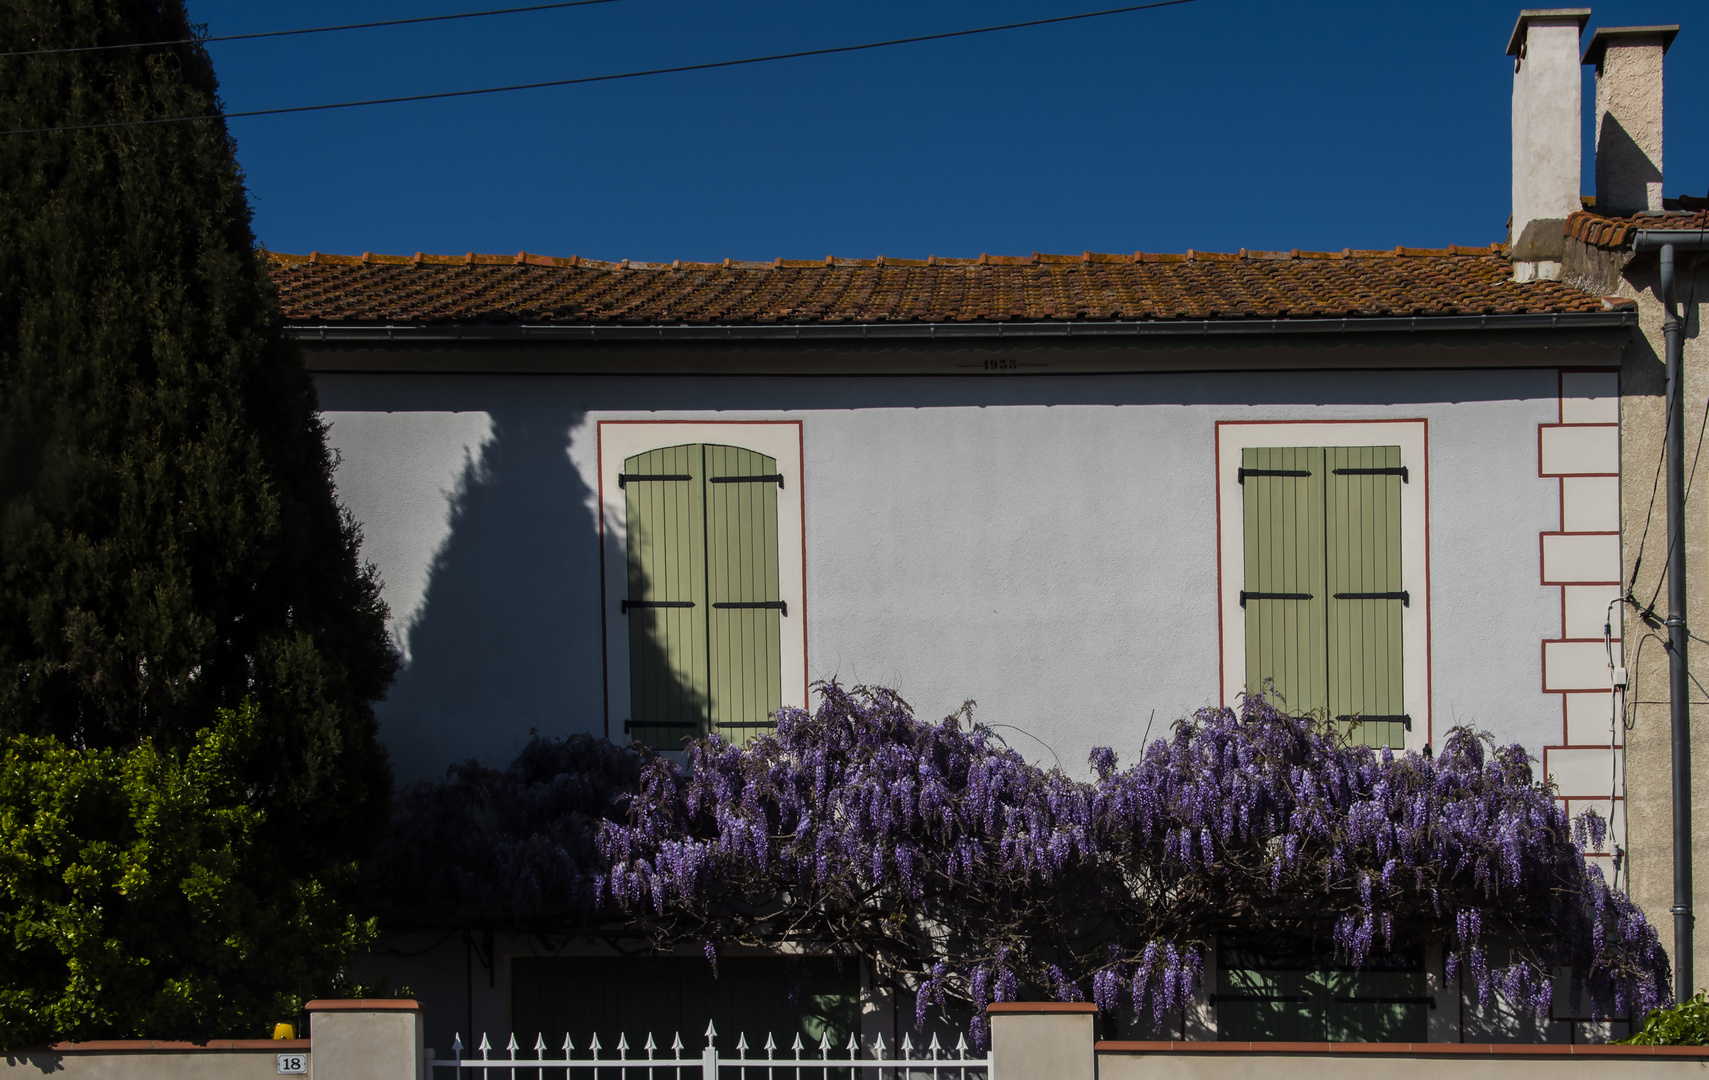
{"points": [[1093, 492]]}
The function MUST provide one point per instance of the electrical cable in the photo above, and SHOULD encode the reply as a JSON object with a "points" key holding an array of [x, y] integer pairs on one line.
{"points": [[1616, 748], [1690, 306], [1690, 479], [304, 30], [710, 65], [1650, 512], [1666, 647]]}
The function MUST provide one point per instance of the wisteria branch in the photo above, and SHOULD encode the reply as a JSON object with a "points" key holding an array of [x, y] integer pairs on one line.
{"points": [[951, 864]]}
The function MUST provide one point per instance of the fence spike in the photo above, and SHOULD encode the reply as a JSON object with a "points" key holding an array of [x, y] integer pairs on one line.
{"points": [[457, 1045], [878, 1047], [650, 1046], [770, 1044], [853, 1047], [934, 1047], [961, 1045], [593, 1044], [742, 1044], [512, 1047], [825, 1044], [711, 1033], [540, 1044], [907, 1053], [797, 1047], [568, 1045], [622, 1046], [676, 1044], [485, 1045]]}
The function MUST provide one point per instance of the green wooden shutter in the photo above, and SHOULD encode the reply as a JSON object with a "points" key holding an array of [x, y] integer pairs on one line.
{"points": [[704, 607], [667, 566], [1365, 584], [1285, 607], [744, 638], [1323, 585]]}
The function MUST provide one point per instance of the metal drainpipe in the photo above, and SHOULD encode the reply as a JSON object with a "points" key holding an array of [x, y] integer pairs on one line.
{"points": [[1679, 699]]}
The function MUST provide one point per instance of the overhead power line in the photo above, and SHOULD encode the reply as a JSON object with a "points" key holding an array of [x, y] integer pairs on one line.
{"points": [[606, 78], [306, 29]]}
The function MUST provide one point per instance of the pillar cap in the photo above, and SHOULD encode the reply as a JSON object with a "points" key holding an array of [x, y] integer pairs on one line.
{"points": [[1041, 1007], [363, 1005]]}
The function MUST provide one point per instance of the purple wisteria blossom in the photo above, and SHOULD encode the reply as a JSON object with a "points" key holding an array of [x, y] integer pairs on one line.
{"points": [[955, 867]]}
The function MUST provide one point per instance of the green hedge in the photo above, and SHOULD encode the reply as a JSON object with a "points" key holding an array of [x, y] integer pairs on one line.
{"points": [[1685, 1024], [137, 899]]}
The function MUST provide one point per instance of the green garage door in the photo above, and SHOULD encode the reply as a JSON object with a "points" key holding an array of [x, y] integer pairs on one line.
{"points": [[662, 996], [1305, 997]]}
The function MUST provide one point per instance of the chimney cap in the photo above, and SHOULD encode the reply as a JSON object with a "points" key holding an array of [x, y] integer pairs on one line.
{"points": [[1581, 15], [1623, 35]]}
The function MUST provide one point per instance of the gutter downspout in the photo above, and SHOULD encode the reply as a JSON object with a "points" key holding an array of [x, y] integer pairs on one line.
{"points": [[1679, 693], [1666, 243]]}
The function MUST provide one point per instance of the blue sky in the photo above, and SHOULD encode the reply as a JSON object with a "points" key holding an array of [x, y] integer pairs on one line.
{"points": [[1215, 125]]}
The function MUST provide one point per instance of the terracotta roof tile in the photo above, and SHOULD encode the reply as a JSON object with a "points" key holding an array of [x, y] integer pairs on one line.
{"points": [[1616, 232], [429, 289]]}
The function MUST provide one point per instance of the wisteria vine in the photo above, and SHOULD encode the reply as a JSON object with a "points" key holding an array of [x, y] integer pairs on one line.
{"points": [[953, 865]]}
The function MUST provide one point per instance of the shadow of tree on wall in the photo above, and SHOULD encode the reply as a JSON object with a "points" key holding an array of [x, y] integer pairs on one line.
{"points": [[507, 637], [509, 605]]}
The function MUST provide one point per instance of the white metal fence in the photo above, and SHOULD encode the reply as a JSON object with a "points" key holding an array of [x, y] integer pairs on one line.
{"points": [[931, 1062]]}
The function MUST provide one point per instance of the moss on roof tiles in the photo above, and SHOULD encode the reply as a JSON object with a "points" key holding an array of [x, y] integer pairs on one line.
{"points": [[330, 289]]}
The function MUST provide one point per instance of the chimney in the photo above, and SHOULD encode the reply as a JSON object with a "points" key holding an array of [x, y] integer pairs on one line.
{"points": [[1546, 126], [1628, 63]]}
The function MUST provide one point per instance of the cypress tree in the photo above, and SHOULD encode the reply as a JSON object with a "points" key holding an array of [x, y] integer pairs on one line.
{"points": [[169, 540]]}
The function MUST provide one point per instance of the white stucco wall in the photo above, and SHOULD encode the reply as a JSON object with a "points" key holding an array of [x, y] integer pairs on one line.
{"points": [[1045, 545]]}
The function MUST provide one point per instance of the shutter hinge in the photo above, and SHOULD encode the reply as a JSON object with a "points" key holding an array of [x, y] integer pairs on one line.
{"points": [[772, 605], [1397, 470], [624, 478], [1242, 473], [1403, 596], [1429, 1000], [627, 604], [1245, 596], [1403, 719], [768, 478]]}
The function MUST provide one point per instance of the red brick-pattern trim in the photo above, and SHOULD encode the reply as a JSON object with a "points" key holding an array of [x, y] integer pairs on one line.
{"points": [[1406, 1049], [1011, 1007], [363, 1005], [108, 1046], [1560, 586]]}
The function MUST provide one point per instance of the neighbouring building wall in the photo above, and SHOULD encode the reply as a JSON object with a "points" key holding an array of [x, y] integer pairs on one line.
{"points": [[1648, 755], [1045, 545]]}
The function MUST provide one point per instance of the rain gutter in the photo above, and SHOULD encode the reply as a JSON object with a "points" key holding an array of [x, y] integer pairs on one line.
{"points": [[893, 331]]}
